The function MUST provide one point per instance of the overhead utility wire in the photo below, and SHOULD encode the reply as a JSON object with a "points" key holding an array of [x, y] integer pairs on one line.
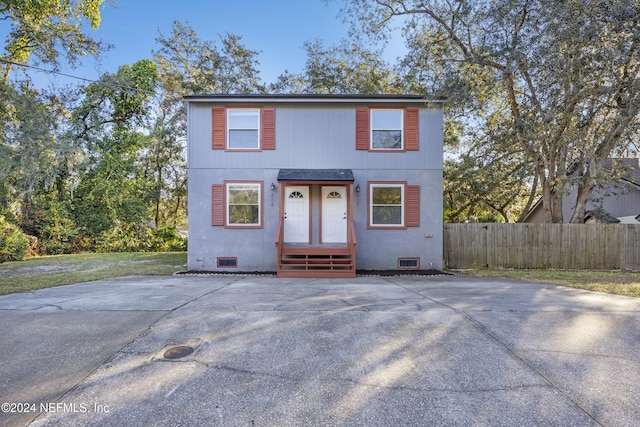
{"points": [[44, 70]]}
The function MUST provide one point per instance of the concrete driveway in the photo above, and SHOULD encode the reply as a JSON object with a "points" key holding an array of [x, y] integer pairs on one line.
{"points": [[370, 351]]}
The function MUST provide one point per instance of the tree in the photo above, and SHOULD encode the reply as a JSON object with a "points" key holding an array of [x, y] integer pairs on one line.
{"points": [[189, 65], [347, 68], [46, 29], [564, 74], [33, 150], [112, 199], [199, 66], [34, 157], [485, 184]]}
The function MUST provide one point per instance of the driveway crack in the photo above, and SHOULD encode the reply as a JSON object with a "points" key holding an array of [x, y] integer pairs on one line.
{"points": [[478, 325]]}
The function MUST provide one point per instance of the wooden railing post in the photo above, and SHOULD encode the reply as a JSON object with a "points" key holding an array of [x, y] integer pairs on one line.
{"points": [[279, 242]]}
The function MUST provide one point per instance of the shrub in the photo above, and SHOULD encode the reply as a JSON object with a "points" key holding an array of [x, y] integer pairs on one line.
{"points": [[14, 244], [57, 236], [124, 237], [167, 239]]}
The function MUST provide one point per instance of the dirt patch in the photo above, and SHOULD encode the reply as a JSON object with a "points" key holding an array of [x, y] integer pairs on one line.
{"points": [[36, 269]]}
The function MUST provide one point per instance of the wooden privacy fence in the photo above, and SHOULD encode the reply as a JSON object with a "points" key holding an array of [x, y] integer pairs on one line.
{"points": [[562, 246]]}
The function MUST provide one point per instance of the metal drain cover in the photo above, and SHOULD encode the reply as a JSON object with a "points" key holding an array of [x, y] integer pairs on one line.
{"points": [[178, 352]]}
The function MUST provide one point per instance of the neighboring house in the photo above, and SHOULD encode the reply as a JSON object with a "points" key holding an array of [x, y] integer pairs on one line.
{"points": [[616, 202], [314, 185]]}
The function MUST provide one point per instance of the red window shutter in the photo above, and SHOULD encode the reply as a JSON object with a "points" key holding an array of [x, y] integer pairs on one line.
{"points": [[412, 206], [411, 129], [268, 128], [217, 204], [362, 129], [218, 128]]}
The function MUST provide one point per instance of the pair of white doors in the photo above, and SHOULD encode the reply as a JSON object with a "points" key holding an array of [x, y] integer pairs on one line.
{"points": [[333, 214]]}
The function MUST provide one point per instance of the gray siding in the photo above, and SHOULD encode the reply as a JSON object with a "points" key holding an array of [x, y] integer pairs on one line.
{"points": [[617, 201], [315, 137], [255, 248]]}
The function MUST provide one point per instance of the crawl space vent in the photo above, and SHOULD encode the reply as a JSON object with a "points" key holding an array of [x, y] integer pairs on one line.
{"points": [[408, 263], [227, 262]]}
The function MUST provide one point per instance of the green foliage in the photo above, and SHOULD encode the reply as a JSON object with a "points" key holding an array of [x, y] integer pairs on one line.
{"points": [[90, 168], [348, 68], [47, 29], [138, 83], [14, 244], [114, 195], [559, 80], [33, 154], [167, 239], [114, 103], [130, 237], [123, 237], [55, 227], [187, 65], [201, 66]]}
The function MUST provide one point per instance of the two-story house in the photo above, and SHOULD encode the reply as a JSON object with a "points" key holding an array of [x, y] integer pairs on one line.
{"points": [[314, 185]]}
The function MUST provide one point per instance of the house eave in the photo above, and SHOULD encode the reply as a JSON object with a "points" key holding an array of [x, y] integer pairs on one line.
{"points": [[313, 99], [315, 175]]}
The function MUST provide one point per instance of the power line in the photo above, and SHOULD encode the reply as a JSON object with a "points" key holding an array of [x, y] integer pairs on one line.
{"points": [[19, 64], [58, 73]]}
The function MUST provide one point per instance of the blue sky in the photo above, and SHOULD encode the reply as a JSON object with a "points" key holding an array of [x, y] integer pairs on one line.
{"points": [[275, 28]]}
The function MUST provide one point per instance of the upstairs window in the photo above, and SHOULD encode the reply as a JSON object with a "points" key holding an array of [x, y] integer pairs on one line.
{"points": [[238, 129], [243, 126], [386, 129]]}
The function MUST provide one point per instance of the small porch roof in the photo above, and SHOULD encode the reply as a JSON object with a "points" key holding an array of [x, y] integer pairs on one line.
{"points": [[315, 175]]}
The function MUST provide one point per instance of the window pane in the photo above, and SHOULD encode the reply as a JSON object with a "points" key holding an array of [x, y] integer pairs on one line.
{"points": [[386, 119], [243, 214], [243, 195], [243, 119], [387, 196], [391, 215], [243, 204], [243, 139], [386, 139]]}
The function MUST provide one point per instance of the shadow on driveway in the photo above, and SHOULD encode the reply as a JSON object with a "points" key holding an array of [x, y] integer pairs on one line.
{"points": [[433, 350]]}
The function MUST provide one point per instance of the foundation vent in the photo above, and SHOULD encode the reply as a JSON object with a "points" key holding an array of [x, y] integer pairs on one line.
{"points": [[227, 262], [409, 263]]}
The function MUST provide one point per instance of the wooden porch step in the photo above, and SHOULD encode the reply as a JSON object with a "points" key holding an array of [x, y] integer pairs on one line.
{"points": [[316, 262], [323, 260], [315, 250], [323, 263], [317, 257]]}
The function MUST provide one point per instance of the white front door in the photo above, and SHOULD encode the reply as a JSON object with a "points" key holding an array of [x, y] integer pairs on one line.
{"points": [[296, 214], [334, 214]]}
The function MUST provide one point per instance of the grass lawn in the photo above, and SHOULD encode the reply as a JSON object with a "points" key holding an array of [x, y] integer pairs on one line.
{"points": [[48, 271], [613, 282]]}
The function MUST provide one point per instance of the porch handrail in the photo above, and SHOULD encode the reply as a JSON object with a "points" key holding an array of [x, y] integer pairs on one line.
{"points": [[279, 240], [279, 233], [352, 241], [352, 234]]}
